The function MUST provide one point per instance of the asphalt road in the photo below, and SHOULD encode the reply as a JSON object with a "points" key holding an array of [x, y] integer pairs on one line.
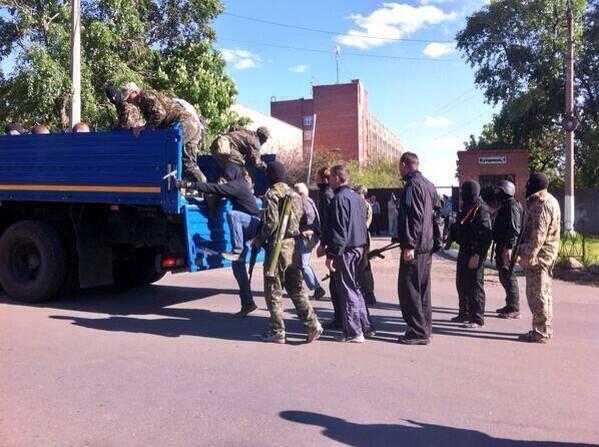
{"points": [[167, 365]]}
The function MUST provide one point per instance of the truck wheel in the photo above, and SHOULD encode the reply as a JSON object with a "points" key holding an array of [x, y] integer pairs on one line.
{"points": [[32, 261]]}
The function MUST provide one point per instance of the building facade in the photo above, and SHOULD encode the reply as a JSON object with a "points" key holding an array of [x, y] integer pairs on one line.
{"points": [[344, 124], [489, 166]]}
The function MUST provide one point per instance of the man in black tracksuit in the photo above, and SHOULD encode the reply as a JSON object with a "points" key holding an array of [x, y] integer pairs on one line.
{"points": [[473, 232], [506, 229], [346, 236], [244, 223], [419, 236]]}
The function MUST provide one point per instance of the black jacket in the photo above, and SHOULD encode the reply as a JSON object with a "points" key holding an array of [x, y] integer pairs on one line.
{"points": [[473, 229], [419, 215], [238, 191], [346, 226], [507, 224], [325, 197]]}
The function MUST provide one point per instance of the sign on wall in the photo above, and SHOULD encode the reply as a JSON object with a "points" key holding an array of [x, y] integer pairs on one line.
{"points": [[493, 160]]}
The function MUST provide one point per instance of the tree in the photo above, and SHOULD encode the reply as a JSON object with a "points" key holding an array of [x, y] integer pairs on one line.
{"points": [[518, 50], [162, 44]]}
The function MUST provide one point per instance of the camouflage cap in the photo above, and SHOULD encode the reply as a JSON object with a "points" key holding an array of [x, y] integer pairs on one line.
{"points": [[263, 133], [127, 89]]}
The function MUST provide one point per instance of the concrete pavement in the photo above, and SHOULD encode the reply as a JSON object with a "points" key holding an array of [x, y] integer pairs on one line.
{"points": [[167, 365]]}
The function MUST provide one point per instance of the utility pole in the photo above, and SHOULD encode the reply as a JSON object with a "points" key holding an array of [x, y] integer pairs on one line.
{"points": [[337, 56], [75, 116], [311, 150], [569, 126]]}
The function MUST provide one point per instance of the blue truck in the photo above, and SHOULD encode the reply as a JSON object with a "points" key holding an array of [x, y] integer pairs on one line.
{"points": [[91, 209]]}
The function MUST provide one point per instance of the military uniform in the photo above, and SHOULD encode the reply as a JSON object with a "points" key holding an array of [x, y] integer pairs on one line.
{"points": [[540, 245], [129, 116], [161, 112], [288, 272], [241, 147]]}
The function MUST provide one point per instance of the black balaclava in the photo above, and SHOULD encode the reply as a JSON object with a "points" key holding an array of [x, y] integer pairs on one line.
{"points": [[276, 172], [469, 191], [231, 171], [536, 182]]}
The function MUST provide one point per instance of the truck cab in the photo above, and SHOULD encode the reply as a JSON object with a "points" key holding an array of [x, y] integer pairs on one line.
{"points": [[81, 210]]}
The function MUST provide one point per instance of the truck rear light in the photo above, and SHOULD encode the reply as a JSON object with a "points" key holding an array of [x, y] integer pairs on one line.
{"points": [[172, 261]]}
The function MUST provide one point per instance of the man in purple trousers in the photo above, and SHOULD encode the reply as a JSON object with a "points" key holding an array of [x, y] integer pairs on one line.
{"points": [[344, 241]]}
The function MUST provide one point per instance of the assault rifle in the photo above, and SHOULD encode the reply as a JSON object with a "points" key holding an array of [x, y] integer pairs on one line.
{"points": [[376, 253]]}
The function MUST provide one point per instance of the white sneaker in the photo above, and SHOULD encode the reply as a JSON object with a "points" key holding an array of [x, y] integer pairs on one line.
{"points": [[357, 339]]}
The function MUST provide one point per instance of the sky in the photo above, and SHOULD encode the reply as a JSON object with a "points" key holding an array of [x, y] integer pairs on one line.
{"points": [[424, 92]]}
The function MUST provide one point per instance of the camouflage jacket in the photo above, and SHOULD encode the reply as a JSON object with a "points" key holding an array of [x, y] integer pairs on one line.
{"points": [[541, 233], [160, 111], [129, 116], [273, 207], [247, 144]]}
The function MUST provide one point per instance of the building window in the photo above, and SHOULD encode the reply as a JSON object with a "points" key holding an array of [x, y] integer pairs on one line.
{"points": [[308, 120], [307, 135]]}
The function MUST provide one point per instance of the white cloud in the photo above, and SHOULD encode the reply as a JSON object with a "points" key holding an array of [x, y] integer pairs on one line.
{"points": [[299, 68], [438, 158], [436, 121], [438, 49], [240, 59], [391, 21], [432, 2]]}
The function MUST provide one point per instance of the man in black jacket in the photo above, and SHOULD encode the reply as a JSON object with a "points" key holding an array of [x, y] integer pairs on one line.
{"points": [[419, 237], [506, 229], [344, 241], [244, 223], [473, 232]]}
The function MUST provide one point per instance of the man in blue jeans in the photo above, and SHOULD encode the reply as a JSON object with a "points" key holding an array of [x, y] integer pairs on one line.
{"points": [[309, 237], [244, 222]]}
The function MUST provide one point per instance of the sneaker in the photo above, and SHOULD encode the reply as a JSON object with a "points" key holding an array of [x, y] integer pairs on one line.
{"points": [[274, 338], [459, 319], [503, 310], [332, 325], [314, 334], [413, 341], [230, 256], [472, 325], [533, 337], [357, 339], [319, 293], [509, 315], [370, 332], [246, 310]]}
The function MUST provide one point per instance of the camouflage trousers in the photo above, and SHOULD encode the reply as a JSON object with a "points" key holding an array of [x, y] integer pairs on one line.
{"points": [[288, 274], [192, 140], [538, 294]]}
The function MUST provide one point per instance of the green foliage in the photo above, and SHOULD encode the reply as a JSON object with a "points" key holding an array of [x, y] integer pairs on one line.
{"points": [[166, 45], [380, 174], [518, 49]]}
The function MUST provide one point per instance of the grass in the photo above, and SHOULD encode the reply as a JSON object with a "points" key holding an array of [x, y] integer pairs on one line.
{"points": [[583, 248]]}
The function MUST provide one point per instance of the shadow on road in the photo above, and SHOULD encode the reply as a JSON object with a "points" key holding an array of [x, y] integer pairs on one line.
{"points": [[413, 434]]}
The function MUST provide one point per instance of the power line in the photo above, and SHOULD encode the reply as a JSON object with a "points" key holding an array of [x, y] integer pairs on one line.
{"points": [[319, 50], [322, 31]]}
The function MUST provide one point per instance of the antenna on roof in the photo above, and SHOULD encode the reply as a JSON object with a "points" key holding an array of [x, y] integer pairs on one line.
{"points": [[337, 52]]}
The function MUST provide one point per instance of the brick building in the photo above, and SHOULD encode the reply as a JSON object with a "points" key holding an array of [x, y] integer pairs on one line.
{"points": [[489, 166], [343, 123]]}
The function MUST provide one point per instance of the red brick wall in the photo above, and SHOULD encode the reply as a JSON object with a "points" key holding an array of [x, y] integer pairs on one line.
{"points": [[469, 167], [292, 111]]}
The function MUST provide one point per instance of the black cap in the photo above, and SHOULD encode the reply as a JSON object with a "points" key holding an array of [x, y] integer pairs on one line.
{"points": [[276, 172], [536, 182], [114, 94], [14, 127]]}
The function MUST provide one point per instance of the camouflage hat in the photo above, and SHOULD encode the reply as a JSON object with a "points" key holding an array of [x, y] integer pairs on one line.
{"points": [[263, 133], [127, 89]]}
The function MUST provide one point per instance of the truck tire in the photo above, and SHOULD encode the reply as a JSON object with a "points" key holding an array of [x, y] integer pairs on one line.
{"points": [[32, 261], [137, 270]]}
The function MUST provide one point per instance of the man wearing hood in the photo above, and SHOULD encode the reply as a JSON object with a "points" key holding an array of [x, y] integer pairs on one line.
{"points": [[506, 229], [244, 223], [538, 251], [288, 270], [419, 237], [473, 233]]}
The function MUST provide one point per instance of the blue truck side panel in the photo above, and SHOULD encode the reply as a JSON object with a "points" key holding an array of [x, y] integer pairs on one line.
{"points": [[98, 167]]}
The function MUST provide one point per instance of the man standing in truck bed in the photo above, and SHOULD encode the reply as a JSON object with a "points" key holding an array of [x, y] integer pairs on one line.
{"points": [[160, 112]]}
